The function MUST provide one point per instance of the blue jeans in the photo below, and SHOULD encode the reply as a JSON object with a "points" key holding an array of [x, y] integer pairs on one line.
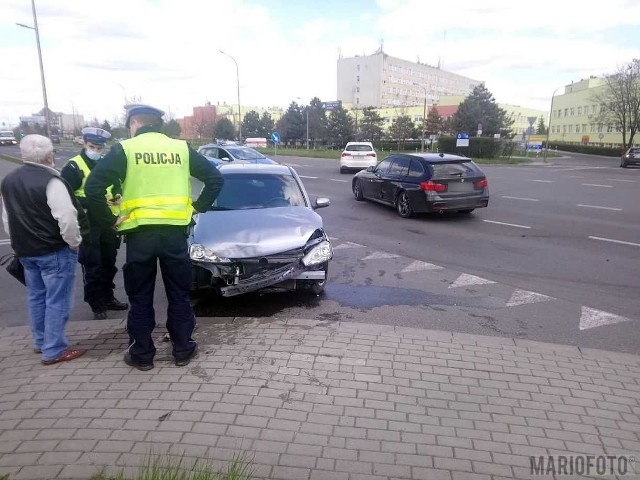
{"points": [[50, 280]]}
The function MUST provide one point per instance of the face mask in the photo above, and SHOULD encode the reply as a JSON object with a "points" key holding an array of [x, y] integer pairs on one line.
{"points": [[93, 155]]}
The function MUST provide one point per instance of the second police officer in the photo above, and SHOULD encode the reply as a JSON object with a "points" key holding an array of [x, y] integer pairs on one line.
{"points": [[155, 212], [98, 252]]}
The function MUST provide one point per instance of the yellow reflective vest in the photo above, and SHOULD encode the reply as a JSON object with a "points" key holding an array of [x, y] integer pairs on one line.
{"points": [[157, 188], [82, 165]]}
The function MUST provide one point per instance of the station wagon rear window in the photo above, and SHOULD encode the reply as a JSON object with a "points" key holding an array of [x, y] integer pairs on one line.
{"points": [[457, 169], [359, 148]]}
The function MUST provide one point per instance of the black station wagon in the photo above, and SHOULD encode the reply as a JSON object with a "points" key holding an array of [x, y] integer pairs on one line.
{"points": [[424, 183]]}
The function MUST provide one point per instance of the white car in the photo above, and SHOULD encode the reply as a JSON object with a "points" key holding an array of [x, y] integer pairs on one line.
{"points": [[358, 156]]}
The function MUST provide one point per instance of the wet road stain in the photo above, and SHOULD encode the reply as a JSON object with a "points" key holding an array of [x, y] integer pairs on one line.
{"points": [[369, 296]]}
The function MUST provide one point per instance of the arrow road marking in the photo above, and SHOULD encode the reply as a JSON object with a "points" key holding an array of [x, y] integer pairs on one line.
{"points": [[592, 318], [522, 297], [379, 255], [465, 279], [418, 266]]}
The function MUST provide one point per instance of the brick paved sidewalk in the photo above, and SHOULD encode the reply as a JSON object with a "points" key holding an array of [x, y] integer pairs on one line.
{"points": [[316, 400]]}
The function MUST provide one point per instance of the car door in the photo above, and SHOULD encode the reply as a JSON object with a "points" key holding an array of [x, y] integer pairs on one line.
{"points": [[372, 188], [392, 182]]}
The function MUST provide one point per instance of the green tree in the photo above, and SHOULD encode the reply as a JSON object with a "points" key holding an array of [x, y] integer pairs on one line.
{"points": [[401, 129], [480, 108], [172, 129], [292, 125], [339, 127], [106, 126], [620, 101], [371, 124], [224, 129], [434, 122], [541, 129], [267, 125], [251, 124]]}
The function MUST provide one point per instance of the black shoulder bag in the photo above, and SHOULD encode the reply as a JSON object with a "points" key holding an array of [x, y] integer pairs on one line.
{"points": [[13, 266]]}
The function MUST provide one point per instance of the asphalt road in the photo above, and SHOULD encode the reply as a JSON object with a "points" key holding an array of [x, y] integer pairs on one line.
{"points": [[554, 258]]}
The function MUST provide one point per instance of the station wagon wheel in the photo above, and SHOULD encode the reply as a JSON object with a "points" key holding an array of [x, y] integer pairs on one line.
{"points": [[623, 164], [403, 205], [357, 190]]}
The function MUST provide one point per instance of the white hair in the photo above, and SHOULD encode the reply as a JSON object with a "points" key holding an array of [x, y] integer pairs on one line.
{"points": [[35, 148]]}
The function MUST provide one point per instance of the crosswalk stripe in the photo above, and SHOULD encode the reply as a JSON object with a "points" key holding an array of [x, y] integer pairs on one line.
{"points": [[465, 280], [418, 266], [379, 255], [592, 318]]}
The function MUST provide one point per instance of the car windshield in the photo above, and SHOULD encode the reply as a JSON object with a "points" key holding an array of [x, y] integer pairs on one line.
{"points": [[248, 191], [6, 134], [358, 148], [634, 150], [458, 169], [245, 153]]}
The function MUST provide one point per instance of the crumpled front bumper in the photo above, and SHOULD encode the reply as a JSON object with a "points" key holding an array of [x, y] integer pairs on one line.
{"points": [[292, 271]]}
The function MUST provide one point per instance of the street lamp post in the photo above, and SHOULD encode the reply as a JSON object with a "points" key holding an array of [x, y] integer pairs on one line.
{"points": [[44, 88], [546, 147], [238, 82], [424, 113]]}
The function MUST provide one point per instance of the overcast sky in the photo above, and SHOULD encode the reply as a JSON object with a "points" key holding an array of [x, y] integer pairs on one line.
{"points": [[166, 52]]}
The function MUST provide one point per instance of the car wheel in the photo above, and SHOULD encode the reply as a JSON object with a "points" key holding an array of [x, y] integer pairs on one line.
{"points": [[357, 191], [623, 164], [343, 170], [403, 205], [466, 211]]}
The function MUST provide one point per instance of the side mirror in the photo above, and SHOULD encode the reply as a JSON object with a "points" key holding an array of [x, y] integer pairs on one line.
{"points": [[225, 159], [370, 168], [321, 203]]}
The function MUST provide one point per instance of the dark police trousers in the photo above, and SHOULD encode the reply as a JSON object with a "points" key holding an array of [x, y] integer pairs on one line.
{"points": [[147, 247], [97, 255]]}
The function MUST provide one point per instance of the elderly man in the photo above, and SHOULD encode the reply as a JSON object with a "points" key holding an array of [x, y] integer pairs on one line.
{"points": [[40, 214], [98, 254]]}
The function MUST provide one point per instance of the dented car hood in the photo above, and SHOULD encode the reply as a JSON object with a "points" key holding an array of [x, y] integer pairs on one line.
{"points": [[256, 232]]}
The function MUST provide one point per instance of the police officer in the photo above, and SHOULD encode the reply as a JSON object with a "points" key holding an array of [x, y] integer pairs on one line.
{"points": [[155, 212], [97, 255]]}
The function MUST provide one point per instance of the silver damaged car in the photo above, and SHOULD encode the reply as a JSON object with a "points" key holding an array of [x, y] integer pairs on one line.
{"points": [[261, 234]]}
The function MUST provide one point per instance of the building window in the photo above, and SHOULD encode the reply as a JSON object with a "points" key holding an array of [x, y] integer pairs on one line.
{"points": [[593, 128], [564, 129], [358, 67], [600, 127], [566, 112], [358, 78], [584, 128], [579, 110], [572, 112]]}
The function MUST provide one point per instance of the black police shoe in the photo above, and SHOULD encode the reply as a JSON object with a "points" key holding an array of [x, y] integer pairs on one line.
{"points": [[114, 304], [182, 362], [140, 366]]}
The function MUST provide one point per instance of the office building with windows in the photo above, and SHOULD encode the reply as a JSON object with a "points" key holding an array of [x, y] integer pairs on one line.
{"points": [[380, 80]]}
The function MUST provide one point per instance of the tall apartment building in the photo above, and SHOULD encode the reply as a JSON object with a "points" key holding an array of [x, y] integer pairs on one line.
{"points": [[380, 80]]}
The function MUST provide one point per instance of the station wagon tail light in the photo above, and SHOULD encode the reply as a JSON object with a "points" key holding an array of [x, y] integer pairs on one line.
{"points": [[431, 186], [371, 155], [481, 184], [345, 154]]}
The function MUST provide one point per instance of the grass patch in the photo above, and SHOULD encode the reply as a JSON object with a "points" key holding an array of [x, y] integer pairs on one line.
{"points": [[181, 468]]}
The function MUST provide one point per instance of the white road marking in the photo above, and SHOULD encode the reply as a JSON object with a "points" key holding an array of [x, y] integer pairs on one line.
{"points": [[507, 224], [592, 318], [418, 266], [615, 241], [348, 245], [304, 176], [601, 208], [465, 279], [543, 181], [379, 255], [521, 198], [620, 180], [333, 239], [596, 185], [5, 242], [522, 297], [292, 164], [575, 176], [338, 180]]}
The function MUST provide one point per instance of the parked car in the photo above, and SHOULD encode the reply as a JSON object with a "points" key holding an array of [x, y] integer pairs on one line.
{"points": [[424, 182], [221, 153], [262, 233], [55, 138], [358, 155], [7, 138], [630, 157], [78, 140]]}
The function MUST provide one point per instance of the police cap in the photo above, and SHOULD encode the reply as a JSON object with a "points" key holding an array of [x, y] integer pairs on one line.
{"points": [[95, 135], [140, 109]]}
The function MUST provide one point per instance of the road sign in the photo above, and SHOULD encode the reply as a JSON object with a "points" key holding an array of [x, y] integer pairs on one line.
{"points": [[332, 105], [275, 137], [462, 139]]}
